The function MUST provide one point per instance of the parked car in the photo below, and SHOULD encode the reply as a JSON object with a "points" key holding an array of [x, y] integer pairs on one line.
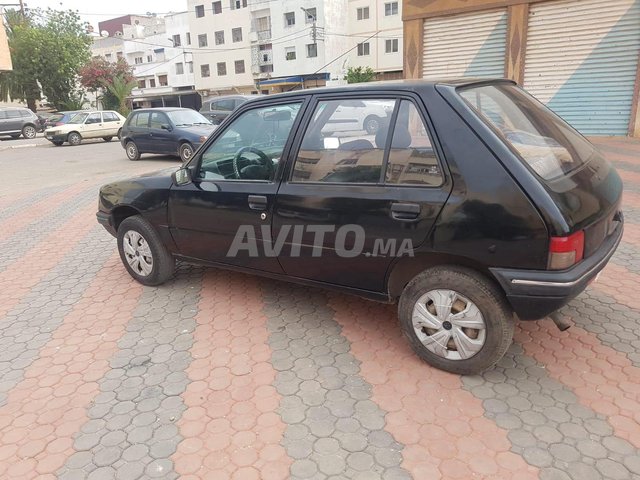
{"points": [[219, 108], [472, 202], [60, 118], [86, 125], [16, 121], [170, 131]]}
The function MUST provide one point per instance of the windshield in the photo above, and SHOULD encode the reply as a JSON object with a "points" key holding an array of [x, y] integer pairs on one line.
{"points": [[185, 118], [78, 118], [550, 146]]}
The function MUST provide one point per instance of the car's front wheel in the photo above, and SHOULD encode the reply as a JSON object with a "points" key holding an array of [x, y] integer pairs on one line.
{"points": [[74, 139], [456, 320], [29, 131], [186, 152], [142, 252], [107, 139], [132, 151]]}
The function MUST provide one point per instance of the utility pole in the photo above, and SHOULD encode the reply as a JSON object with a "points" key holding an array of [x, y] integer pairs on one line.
{"points": [[314, 28], [22, 8]]}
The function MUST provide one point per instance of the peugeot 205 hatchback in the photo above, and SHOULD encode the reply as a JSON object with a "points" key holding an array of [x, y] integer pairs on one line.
{"points": [[471, 202]]}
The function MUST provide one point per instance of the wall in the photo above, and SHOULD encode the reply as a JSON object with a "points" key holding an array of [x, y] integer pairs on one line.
{"points": [[5, 56]]}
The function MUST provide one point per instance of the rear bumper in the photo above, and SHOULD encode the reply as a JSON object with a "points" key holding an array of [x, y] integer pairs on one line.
{"points": [[106, 221], [535, 294]]}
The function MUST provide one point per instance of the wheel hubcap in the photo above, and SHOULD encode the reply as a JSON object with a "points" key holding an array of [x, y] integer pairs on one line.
{"points": [[186, 153], [132, 151], [30, 132], [372, 125], [449, 324], [137, 252]]}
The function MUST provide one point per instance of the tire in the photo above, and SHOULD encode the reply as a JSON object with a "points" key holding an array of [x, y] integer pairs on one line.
{"points": [[119, 134], [484, 346], [74, 139], [132, 151], [186, 152], [57, 143], [371, 124], [29, 132], [107, 139], [142, 252]]}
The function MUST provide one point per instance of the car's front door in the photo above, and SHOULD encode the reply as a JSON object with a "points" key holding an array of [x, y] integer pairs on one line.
{"points": [[224, 215], [161, 140], [355, 201], [92, 127]]}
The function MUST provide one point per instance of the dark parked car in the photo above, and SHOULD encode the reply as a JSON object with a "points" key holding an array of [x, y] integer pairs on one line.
{"points": [[16, 121], [472, 201], [217, 109], [173, 131], [61, 118]]}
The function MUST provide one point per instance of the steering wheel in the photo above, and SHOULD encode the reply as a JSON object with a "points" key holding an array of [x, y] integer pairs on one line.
{"points": [[265, 163]]}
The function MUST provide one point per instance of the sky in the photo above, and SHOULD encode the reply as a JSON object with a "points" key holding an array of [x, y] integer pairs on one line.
{"points": [[94, 11]]}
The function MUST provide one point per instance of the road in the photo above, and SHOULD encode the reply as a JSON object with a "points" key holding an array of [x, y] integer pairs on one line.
{"points": [[220, 375]]}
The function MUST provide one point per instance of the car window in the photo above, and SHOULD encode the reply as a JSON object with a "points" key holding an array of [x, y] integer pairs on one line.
{"points": [[253, 142], [158, 119], [93, 118], [342, 144], [78, 118], [141, 119], [223, 105], [110, 117], [412, 159], [3, 114], [13, 113], [25, 113]]}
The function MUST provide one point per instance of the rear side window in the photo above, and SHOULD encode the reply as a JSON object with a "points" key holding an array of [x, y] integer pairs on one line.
{"points": [[13, 113], [3, 114], [110, 117], [223, 105], [26, 113], [545, 142], [140, 119]]}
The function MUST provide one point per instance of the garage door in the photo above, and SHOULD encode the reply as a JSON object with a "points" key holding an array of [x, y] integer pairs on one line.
{"points": [[465, 45], [581, 60]]}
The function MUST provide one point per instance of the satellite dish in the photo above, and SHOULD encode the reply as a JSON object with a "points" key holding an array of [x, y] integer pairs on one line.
{"points": [[104, 33]]}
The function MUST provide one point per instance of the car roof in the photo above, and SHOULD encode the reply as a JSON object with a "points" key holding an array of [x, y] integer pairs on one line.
{"points": [[15, 108], [235, 96], [162, 109]]}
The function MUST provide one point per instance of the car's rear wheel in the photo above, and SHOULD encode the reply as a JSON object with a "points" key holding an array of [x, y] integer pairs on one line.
{"points": [[186, 152], [57, 143], [142, 252], [132, 151], [74, 139], [29, 131], [107, 139], [456, 320], [372, 124]]}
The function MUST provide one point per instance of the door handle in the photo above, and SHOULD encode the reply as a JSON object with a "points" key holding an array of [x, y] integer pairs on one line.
{"points": [[257, 202], [405, 212]]}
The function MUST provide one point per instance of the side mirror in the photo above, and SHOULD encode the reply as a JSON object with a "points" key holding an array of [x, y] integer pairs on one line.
{"points": [[182, 176], [166, 126]]}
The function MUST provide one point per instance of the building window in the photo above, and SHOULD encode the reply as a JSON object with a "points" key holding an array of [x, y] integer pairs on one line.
{"points": [[216, 7], [142, 84], [363, 13], [236, 4], [108, 57], [219, 37], [236, 35], [162, 80], [179, 68], [177, 41], [190, 67], [199, 11], [222, 68], [188, 38], [290, 53], [239, 64], [202, 40], [119, 55], [363, 49], [152, 83], [149, 59], [391, 46], [266, 68], [312, 50], [310, 14], [390, 9], [205, 71], [137, 60], [289, 19]]}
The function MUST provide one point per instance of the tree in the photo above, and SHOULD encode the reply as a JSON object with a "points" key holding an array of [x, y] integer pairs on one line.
{"points": [[47, 50], [360, 74], [99, 73], [120, 87]]}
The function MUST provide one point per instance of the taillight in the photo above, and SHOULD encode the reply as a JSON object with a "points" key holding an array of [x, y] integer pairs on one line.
{"points": [[566, 251]]}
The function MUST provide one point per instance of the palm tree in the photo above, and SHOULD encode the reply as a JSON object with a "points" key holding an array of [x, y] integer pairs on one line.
{"points": [[120, 87]]}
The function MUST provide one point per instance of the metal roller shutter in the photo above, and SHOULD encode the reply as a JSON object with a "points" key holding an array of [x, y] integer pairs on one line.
{"points": [[465, 45], [581, 60]]}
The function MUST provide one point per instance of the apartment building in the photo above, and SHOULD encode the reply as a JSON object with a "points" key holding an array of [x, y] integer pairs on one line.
{"points": [[5, 54]]}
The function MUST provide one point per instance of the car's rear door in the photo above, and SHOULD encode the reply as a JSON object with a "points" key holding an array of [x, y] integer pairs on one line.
{"points": [[353, 201], [14, 120], [138, 130], [112, 124], [220, 217]]}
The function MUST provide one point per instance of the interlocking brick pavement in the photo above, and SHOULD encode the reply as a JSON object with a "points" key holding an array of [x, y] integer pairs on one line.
{"points": [[219, 375]]}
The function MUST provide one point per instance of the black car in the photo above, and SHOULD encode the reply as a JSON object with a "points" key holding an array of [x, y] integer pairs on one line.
{"points": [[16, 121], [470, 203], [219, 108], [173, 131]]}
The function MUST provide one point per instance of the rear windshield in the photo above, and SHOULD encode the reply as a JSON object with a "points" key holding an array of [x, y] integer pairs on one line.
{"points": [[543, 140]]}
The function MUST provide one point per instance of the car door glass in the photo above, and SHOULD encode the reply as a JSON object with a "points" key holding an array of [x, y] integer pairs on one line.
{"points": [[253, 142], [3, 114], [141, 120], [157, 120], [110, 117], [93, 118], [412, 159], [13, 113], [342, 144]]}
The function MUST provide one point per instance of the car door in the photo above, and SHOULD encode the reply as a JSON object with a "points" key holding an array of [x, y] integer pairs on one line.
{"points": [[111, 124], [161, 140], [139, 130], [14, 120], [4, 122], [352, 201], [92, 127], [224, 214]]}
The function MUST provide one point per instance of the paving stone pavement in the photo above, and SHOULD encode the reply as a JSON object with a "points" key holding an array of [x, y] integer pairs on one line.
{"points": [[219, 375]]}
